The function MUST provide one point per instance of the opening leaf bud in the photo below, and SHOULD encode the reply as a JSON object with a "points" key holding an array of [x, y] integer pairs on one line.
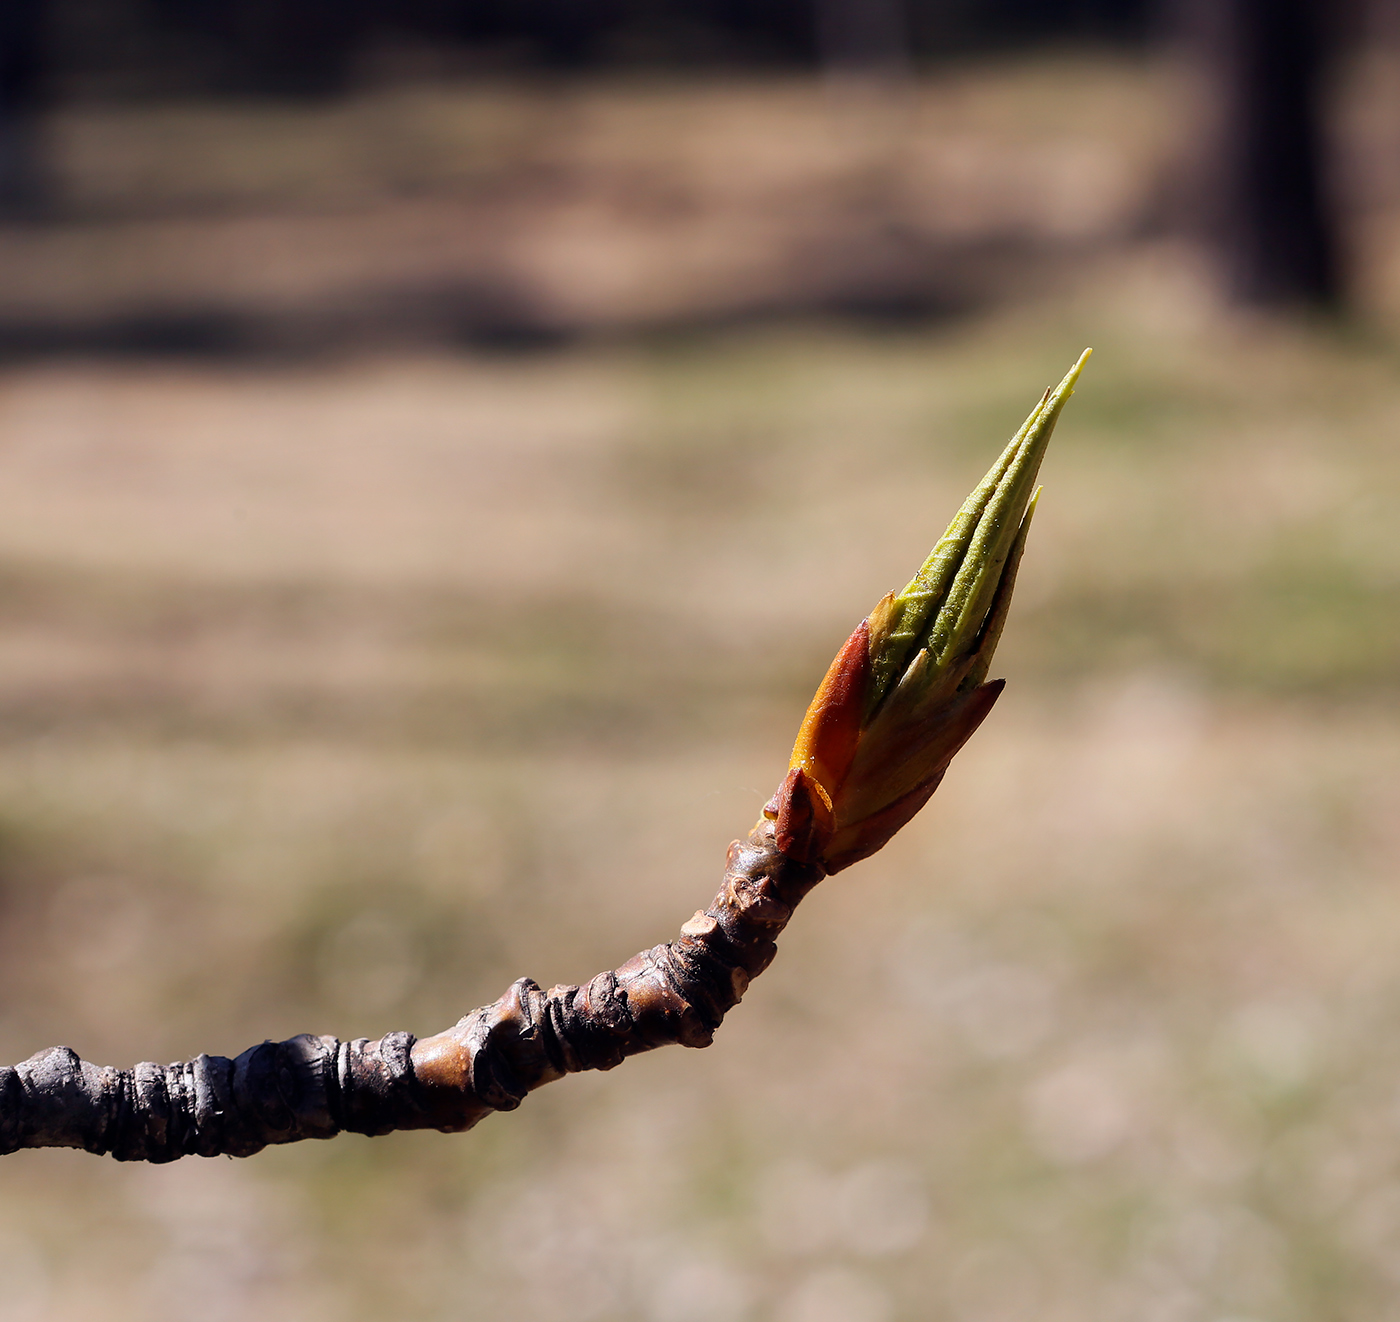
{"points": [[908, 688]]}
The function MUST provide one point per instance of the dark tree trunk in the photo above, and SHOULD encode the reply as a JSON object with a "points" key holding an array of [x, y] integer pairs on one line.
{"points": [[1268, 206], [21, 174], [864, 37]]}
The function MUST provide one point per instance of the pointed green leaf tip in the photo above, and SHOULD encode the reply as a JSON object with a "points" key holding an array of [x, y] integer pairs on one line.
{"points": [[955, 606]]}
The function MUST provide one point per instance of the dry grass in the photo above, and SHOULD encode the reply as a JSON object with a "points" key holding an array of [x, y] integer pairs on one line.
{"points": [[336, 696]]}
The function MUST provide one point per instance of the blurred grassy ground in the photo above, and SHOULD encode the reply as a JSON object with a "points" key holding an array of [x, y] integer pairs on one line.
{"points": [[516, 213], [338, 693]]}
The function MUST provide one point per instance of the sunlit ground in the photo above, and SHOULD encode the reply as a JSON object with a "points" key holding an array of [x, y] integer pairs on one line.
{"points": [[337, 695]]}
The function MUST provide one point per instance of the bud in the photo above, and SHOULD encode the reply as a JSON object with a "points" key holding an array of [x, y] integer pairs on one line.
{"points": [[907, 690]]}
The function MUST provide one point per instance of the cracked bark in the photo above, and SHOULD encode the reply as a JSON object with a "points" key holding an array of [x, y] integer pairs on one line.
{"points": [[317, 1087]]}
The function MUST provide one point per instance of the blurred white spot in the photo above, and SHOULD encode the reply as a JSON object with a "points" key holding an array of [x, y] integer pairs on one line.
{"points": [[1374, 1226], [797, 1210], [883, 1209], [228, 1248], [1209, 1156], [993, 1283], [1001, 1009], [466, 848], [1137, 755], [24, 1279], [1194, 1242], [1276, 1041], [1207, 1248], [705, 1290], [835, 1295], [1171, 1301], [568, 1262], [99, 923], [1077, 1114], [370, 963], [874, 1209]]}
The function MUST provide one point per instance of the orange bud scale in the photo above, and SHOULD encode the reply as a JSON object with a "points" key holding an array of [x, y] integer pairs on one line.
{"points": [[826, 743]]}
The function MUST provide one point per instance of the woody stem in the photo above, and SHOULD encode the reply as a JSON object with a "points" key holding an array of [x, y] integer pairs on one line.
{"points": [[317, 1087]]}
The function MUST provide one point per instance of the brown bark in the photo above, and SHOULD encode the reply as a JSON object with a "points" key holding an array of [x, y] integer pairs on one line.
{"points": [[317, 1087], [22, 177], [1267, 204]]}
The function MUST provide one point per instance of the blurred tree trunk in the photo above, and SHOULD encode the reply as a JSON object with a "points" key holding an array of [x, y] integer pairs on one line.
{"points": [[1267, 203], [863, 37], [21, 173]]}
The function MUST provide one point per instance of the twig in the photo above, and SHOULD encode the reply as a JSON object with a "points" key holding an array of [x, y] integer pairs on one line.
{"points": [[317, 1087], [900, 699]]}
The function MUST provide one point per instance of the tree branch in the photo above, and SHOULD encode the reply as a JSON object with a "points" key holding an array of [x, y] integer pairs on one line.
{"points": [[901, 698], [317, 1087]]}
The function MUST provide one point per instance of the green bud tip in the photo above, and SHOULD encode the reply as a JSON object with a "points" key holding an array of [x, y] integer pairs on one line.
{"points": [[955, 606]]}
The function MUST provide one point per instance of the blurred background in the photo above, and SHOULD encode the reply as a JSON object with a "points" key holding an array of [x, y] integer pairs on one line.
{"points": [[441, 446]]}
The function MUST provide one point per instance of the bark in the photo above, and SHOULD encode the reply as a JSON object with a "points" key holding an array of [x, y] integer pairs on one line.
{"points": [[1267, 198], [864, 37], [317, 1087], [22, 177]]}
